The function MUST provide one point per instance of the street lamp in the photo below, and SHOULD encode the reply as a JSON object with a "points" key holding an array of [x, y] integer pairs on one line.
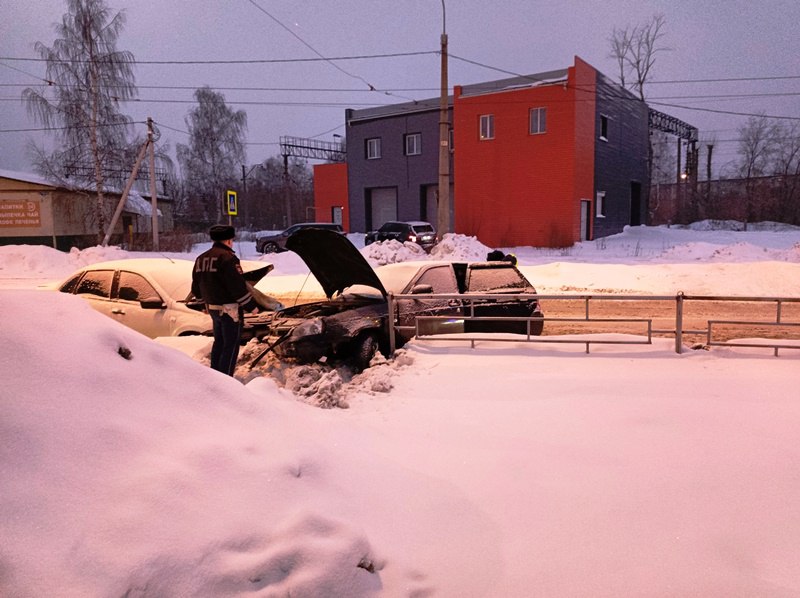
{"points": [[443, 212]]}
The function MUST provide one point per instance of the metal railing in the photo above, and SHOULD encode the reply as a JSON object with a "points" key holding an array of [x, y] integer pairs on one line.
{"points": [[466, 305]]}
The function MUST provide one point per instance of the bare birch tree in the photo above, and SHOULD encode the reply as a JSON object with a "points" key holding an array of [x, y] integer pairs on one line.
{"points": [[211, 161], [634, 48], [769, 148], [87, 79]]}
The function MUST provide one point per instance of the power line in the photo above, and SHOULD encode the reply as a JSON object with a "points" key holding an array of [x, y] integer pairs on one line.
{"points": [[246, 61], [727, 80], [315, 51], [218, 88], [735, 96], [361, 90], [240, 102], [729, 112], [42, 129]]}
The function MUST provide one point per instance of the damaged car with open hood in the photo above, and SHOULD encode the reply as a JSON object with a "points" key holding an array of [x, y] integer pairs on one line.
{"points": [[352, 324]]}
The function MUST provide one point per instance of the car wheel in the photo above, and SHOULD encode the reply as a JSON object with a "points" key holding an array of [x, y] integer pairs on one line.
{"points": [[537, 325], [270, 248], [364, 349]]}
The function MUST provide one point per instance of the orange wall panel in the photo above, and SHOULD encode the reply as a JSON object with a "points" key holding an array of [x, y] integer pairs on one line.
{"points": [[519, 188], [330, 190]]}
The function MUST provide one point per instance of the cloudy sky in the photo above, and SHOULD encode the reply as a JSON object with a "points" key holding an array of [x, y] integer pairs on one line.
{"points": [[753, 46]]}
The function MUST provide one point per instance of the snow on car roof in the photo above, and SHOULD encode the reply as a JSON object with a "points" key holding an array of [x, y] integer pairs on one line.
{"points": [[174, 276], [395, 277]]}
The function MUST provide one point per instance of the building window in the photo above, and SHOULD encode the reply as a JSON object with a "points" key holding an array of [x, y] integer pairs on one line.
{"points": [[538, 121], [600, 204], [413, 144], [373, 148], [487, 126], [604, 128], [451, 139]]}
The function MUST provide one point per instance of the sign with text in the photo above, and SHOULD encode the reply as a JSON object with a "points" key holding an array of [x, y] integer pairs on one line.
{"points": [[16, 213]]}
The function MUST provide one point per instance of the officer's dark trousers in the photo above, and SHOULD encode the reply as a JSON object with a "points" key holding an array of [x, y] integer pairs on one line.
{"points": [[225, 350]]}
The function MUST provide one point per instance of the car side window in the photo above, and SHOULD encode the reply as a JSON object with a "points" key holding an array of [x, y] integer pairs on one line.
{"points": [[133, 287], [441, 279], [97, 283], [70, 285]]}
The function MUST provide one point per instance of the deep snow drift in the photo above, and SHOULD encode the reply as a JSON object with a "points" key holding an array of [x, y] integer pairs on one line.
{"points": [[129, 468]]}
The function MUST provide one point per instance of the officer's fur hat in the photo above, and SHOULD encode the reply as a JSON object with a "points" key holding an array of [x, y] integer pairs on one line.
{"points": [[221, 232]]}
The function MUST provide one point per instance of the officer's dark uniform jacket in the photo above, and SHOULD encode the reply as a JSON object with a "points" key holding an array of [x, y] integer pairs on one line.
{"points": [[217, 279]]}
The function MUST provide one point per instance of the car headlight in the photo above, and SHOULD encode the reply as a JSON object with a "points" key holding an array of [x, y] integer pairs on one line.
{"points": [[309, 328]]}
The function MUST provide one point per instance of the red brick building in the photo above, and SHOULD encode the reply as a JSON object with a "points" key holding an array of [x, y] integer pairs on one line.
{"points": [[543, 160]]}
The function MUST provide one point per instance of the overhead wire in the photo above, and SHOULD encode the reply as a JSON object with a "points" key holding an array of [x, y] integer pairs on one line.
{"points": [[315, 51], [250, 60], [656, 101], [535, 79]]}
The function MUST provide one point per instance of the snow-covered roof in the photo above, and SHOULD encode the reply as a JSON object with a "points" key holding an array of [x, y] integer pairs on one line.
{"points": [[521, 82], [137, 204], [37, 179], [431, 104], [27, 177]]}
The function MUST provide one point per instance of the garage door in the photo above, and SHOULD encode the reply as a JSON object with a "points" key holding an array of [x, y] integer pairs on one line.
{"points": [[384, 205]]}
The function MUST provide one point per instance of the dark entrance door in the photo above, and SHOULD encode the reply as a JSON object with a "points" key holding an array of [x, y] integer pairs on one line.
{"points": [[636, 203]]}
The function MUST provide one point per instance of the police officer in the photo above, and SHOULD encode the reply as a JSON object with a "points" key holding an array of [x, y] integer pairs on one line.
{"points": [[218, 280]]}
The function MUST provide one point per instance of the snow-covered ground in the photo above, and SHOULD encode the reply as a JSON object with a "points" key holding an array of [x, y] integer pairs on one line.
{"points": [[129, 468]]}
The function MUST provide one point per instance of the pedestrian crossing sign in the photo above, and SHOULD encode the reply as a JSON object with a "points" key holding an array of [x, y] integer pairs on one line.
{"points": [[231, 202]]}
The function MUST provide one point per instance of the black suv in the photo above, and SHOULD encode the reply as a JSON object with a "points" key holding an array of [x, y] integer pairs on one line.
{"points": [[277, 242], [421, 233]]}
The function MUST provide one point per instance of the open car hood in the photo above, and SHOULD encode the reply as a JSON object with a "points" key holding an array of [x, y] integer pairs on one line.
{"points": [[333, 260], [254, 270]]}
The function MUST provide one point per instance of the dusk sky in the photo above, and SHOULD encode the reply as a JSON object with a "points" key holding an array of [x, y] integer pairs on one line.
{"points": [[756, 44]]}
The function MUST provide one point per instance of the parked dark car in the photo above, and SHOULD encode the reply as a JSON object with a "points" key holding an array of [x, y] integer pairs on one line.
{"points": [[353, 323], [421, 233], [277, 242]]}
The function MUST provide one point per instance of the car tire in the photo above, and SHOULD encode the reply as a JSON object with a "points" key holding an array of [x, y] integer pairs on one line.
{"points": [[270, 248], [364, 349], [537, 325]]}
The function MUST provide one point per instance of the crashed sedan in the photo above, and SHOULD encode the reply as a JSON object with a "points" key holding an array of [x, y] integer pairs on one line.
{"points": [[353, 323]]}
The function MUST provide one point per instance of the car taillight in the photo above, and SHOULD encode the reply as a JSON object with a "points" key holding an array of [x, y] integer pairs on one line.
{"points": [[412, 238]]}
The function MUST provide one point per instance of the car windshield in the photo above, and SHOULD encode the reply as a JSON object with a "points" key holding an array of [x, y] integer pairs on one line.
{"points": [[395, 277], [484, 280], [423, 228]]}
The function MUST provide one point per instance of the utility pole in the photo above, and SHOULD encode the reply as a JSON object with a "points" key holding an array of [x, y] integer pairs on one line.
{"points": [[153, 199], [710, 147], [148, 143], [443, 212]]}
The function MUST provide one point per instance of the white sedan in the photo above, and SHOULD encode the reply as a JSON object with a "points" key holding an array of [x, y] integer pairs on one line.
{"points": [[153, 295]]}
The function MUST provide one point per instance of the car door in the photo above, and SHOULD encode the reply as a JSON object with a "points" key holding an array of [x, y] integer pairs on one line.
{"points": [[431, 280], [132, 289], [95, 288], [500, 280]]}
